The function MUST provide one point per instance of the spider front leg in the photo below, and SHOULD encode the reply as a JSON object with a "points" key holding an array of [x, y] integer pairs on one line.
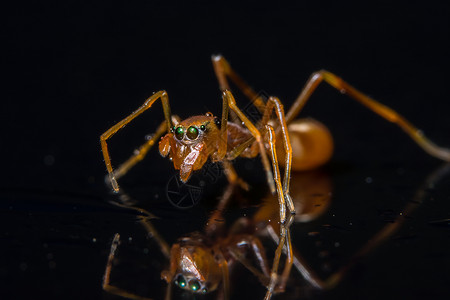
{"points": [[110, 132], [140, 153]]}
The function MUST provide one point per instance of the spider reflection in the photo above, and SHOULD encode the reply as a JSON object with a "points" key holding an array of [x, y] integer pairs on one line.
{"points": [[203, 262]]}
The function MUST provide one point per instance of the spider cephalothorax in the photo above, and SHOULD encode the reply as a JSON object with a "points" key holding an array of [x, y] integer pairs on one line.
{"points": [[190, 143]]}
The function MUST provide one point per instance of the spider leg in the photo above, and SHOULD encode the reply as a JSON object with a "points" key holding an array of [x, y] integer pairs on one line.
{"points": [[256, 134], [223, 71], [223, 135], [140, 153], [106, 277], [250, 143], [110, 132], [274, 103], [285, 239], [222, 149], [378, 108]]}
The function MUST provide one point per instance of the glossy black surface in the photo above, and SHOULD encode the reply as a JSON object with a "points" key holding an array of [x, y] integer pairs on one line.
{"points": [[75, 69]]}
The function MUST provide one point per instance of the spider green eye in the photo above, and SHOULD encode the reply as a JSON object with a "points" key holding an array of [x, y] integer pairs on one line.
{"points": [[203, 127], [194, 285], [179, 133], [192, 133], [180, 281], [173, 128]]}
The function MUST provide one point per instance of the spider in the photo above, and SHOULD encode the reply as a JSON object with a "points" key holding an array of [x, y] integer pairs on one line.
{"points": [[191, 142]]}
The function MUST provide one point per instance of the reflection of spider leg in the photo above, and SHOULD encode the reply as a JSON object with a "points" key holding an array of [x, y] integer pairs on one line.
{"points": [[216, 219], [258, 250], [277, 284], [232, 176], [298, 262], [144, 218], [168, 291], [106, 277], [389, 229], [153, 233], [223, 264], [385, 233]]}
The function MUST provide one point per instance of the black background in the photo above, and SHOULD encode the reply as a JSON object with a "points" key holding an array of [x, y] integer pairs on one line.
{"points": [[71, 70]]}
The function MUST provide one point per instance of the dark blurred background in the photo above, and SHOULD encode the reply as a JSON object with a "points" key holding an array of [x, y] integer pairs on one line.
{"points": [[73, 69]]}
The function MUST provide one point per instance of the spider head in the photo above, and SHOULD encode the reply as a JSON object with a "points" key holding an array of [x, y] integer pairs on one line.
{"points": [[190, 143]]}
